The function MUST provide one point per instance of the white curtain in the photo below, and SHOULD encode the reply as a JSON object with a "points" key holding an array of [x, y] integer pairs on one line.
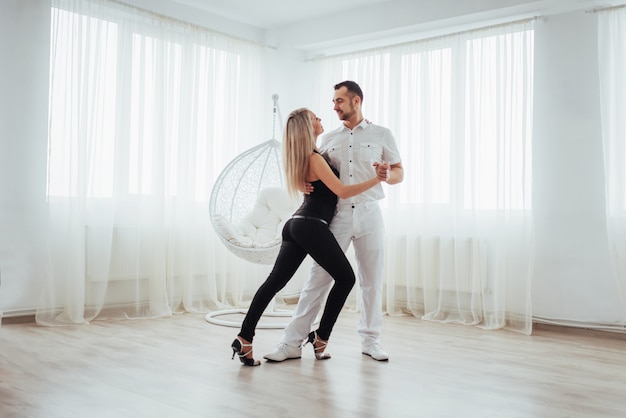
{"points": [[459, 228], [145, 112], [612, 70]]}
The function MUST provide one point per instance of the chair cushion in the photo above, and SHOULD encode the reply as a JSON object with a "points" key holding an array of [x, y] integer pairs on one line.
{"points": [[263, 225], [230, 232]]}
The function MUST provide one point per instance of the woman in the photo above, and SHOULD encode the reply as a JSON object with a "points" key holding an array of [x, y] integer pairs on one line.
{"points": [[306, 233]]}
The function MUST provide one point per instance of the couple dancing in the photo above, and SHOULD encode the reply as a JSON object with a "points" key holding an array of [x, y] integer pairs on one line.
{"points": [[346, 153]]}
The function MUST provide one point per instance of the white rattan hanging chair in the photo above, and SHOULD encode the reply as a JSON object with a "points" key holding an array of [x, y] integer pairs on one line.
{"points": [[248, 207], [248, 204]]}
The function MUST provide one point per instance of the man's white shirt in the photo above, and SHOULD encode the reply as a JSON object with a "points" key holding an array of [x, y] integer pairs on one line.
{"points": [[353, 153]]}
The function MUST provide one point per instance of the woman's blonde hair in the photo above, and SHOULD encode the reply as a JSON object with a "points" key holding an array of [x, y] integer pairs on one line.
{"points": [[298, 145]]}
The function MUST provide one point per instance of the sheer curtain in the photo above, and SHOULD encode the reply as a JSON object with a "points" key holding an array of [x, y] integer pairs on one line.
{"points": [[459, 228], [145, 112], [612, 70]]}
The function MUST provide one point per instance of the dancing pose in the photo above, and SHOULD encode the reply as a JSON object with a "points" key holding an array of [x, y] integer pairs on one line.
{"points": [[306, 233], [352, 148]]}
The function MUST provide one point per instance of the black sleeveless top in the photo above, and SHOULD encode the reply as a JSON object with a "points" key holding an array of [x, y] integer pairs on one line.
{"points": [[321, 203]]}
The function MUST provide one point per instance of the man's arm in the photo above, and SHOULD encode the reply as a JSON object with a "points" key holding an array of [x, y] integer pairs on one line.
{"points": [[396, 174]]}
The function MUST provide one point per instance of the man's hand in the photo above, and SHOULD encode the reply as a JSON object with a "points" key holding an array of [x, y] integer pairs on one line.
{"points": [[382, 170], [307, 188]]}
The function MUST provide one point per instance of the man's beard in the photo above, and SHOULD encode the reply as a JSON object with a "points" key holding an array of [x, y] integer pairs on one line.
{"points": [[346, 115]]}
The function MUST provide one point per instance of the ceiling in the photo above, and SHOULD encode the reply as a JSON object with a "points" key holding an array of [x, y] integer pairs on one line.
{"points": [[268, 14]]}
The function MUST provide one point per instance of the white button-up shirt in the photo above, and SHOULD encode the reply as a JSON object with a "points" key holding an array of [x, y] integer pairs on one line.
{"points": [[353, 151]]}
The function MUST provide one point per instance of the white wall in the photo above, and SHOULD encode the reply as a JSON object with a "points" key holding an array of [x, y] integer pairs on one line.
{"points": [[24, 48], [573, 276]]}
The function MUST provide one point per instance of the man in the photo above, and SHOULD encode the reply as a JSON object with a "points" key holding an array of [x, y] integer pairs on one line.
{"points": [[353, 149]]}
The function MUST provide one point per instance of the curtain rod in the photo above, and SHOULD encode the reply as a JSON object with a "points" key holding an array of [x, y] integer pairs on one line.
{"points": [[176, 20], [434, 37], [480, 28], [606, 9]]}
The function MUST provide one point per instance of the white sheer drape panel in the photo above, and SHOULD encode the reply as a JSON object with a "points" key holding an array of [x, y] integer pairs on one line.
{"points": [[145, 113], [612, 70], [459, 228]]}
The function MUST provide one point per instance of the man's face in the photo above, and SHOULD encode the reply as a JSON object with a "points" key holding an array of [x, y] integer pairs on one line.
{"points": [[344, 104]]}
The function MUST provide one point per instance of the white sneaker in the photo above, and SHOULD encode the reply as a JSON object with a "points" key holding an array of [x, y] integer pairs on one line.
{"points": [[283, 352], [376, 352]]}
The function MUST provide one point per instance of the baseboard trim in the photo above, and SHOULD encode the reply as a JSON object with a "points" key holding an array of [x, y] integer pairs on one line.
{"points": [[582, 331], [25, 317]]}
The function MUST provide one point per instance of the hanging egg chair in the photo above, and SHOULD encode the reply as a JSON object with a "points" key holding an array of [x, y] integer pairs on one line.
{"points": [[248, 207], [249, 204]]}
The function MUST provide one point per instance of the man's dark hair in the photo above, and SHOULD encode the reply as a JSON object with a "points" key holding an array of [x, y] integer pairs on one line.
{"points": [[352, 88]]}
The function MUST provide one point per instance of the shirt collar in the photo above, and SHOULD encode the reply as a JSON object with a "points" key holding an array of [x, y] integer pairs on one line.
{"points": [[364, 124]]}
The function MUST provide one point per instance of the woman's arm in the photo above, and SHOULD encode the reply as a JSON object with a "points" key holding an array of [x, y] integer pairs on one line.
{"points": [[319, 168]]}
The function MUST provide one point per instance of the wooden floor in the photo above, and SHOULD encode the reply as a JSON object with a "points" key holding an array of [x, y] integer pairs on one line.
{"points": [[182, 367]]}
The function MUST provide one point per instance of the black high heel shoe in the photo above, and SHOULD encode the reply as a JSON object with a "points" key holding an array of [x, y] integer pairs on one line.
{"points": [[318, 350], [238, 347]]}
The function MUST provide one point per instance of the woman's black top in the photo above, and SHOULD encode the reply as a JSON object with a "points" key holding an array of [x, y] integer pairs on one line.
{"points": [[321, 202]]}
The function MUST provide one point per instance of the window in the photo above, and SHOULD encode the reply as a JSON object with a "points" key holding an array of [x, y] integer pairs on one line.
{"points": [[460, 108], [141, 107]]}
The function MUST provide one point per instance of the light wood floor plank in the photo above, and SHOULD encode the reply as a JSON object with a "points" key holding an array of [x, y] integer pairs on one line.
{"points": [[182, 367]]}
